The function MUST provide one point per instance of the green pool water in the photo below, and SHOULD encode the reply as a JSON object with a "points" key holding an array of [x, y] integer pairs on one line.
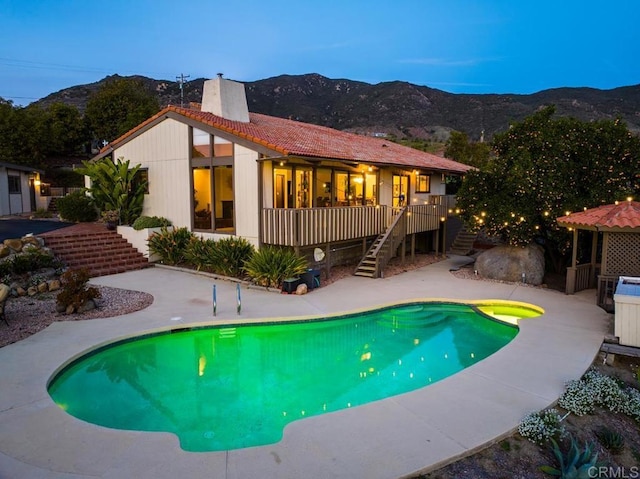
{"points": [[221, 388]]}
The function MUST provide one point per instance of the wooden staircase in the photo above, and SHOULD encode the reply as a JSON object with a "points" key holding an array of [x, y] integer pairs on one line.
{"points": [[383, 248], [92, 246], [463, 244]]}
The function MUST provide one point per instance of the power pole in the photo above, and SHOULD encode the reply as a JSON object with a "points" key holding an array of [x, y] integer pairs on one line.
{"points": [[182, 79]]}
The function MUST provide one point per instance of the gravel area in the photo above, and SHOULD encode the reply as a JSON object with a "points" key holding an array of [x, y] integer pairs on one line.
{"points": [[27, 315]]}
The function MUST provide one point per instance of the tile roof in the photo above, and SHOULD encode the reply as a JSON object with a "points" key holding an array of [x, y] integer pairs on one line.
{"points": [[294, 138], [621, 215]]}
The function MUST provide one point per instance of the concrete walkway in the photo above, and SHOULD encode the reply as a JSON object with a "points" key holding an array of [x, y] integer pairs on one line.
{"points": [[391, 438]]}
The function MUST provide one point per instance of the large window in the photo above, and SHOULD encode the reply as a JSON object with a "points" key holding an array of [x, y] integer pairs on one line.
{"points": [[212, 171], [14, 185], [213, 198]]}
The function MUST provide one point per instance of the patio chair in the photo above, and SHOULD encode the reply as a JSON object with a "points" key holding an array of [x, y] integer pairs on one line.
{"points": [[4, 295]]}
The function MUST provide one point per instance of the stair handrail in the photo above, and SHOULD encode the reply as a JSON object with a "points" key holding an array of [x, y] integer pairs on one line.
{"points": [[394, 235]]}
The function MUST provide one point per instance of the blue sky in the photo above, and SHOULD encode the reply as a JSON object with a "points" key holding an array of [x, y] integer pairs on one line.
{"points": [[491, 46]]}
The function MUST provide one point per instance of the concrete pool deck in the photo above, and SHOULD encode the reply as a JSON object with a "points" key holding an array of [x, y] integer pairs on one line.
{"points": [[390, 438]]}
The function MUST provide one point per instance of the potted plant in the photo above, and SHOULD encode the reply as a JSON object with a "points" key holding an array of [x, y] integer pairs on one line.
{"points": [[111, 218]]}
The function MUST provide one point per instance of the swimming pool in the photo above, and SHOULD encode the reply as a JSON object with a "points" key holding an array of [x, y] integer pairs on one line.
{"points": [[229, 387]]}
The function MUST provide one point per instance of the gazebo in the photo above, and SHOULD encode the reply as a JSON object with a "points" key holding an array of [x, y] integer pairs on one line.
{"points": [[617, 226]]}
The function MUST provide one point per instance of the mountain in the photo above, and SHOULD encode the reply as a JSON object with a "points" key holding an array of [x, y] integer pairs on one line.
{"points": [[398, 108]]}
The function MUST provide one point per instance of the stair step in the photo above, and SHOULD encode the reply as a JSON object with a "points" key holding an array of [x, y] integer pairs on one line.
{"points": [[98, 250], [362, 273]]}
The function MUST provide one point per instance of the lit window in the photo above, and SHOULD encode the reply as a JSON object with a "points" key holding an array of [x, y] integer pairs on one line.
{"points": [[423, 183]]}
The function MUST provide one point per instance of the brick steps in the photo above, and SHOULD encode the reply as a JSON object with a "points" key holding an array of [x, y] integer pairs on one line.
{"points": [[99, 250]]}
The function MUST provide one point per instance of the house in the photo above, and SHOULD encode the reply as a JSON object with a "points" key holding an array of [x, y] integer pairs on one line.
{"points": [[218, 169], [19, 189]]}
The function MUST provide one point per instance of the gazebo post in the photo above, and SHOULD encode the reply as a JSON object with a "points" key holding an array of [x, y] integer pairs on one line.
{"points": [[570, 286], [594, 250]]}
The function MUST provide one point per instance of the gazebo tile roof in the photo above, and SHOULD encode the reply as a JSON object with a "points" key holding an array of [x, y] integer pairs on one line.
{"points": [[294, 138], [623, 214]]}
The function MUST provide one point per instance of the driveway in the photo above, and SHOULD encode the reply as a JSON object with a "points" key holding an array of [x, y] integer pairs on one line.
{"points": [[17, 228]]}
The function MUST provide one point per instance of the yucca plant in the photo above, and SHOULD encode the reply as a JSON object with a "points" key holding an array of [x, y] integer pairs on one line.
{"points": [[230, 255], [170, 245], [269, 266]]}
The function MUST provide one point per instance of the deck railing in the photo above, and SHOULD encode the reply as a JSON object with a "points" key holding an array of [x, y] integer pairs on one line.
{"points": [[313, 226], [389, 243], [579, 278]]}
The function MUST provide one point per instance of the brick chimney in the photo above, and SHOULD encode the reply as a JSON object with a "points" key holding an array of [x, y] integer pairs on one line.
{"points": [[225, 98]]}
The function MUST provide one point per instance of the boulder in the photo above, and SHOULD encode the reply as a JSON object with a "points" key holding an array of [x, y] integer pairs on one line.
{"points": [[43, 287], [4, 251], [15, 244], [33, 240], [54, 284], [512, 263], [87, 306], [301, 289], [4, 292], [32, 291], [20, 291]]}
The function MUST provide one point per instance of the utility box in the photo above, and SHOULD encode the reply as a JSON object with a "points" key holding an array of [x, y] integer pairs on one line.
{"points": [[627, 311], [311, 278]]}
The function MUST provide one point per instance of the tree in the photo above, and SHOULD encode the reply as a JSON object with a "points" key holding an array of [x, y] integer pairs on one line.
{"points": [[118, 106], [459, 148], [115, 187], [544, 167]]}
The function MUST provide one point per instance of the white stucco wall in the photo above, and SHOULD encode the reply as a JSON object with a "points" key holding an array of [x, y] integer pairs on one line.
{"points": [[246, 194], [164, 150]]}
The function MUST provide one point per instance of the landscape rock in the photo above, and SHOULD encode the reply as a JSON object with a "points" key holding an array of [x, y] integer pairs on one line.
{"points": [[20, 291], [32, 291], [301, 289], [14, 243], [43, 287], [510, 263], [87, 306], [4, 292], [53, 284], [4, 251]]}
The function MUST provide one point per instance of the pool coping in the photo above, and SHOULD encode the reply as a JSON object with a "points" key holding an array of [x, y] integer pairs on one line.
{"points": [[395, 437]]}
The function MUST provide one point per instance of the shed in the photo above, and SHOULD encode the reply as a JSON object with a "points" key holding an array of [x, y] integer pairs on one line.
{"points": [[615, 228]]}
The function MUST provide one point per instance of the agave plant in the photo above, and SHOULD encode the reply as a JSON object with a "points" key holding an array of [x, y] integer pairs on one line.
{"points": [[579, 463]]}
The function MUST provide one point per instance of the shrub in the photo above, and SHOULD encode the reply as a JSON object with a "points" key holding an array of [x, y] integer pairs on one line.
{"points": [[269, 266], [77, 207], [230, 255], [632, 407], [199, 252], [611, 440], [31, 261], [116, 186], [606, 390], [170, 245], [150, 222], [74, 291], [578, 398], [542, 426], [42, 213]]}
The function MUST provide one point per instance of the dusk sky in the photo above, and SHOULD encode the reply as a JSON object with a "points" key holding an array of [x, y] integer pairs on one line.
{"points": [[491, 46]]}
